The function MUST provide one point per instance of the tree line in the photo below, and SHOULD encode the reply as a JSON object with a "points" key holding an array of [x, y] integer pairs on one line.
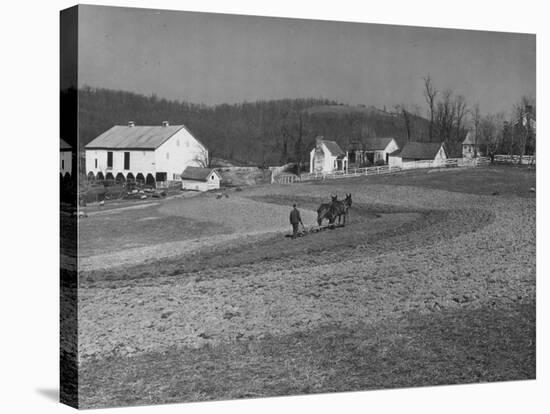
{"points": [[275, 132], [451, 118], [263, 133]]}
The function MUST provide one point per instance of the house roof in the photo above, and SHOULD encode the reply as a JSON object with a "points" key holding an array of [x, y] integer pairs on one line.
{"points": [[333, 147], [377, 144], [198, 173], [136, 137], [420, 150], [469, 139], [63, 145]]}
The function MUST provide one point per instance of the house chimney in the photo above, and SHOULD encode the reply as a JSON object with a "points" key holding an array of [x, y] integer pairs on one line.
{"points": [[165, 123], [130, 124]]}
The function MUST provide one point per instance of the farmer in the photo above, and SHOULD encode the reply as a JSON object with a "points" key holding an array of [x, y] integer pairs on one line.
{"points": [[295, 220]]}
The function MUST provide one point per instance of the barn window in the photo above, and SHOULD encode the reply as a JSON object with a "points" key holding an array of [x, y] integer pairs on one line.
{"points": [[110, 159], [62, 164], [126, 160], [212, 177], [96, 163]]}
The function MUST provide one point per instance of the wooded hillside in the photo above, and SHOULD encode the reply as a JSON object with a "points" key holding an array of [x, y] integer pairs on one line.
{"points": [[260, 133]]}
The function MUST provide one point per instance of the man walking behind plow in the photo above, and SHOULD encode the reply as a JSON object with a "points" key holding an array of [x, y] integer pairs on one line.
{"points": [[295, 220]]}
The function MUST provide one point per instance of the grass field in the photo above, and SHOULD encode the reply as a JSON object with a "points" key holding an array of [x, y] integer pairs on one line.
{"points": [[431, 282]]}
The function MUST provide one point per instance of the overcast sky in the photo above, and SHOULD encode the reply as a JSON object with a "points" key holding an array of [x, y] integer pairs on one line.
{"points": [[214, 58]]}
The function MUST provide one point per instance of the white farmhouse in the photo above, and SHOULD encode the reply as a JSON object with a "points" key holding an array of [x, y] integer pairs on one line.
{"points": [[378, 149], [200, 179], [327, 156], [65, 159], [418, 151], [152, 154]]}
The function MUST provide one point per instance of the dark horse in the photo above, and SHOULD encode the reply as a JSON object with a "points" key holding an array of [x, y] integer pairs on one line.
{"points": [[334, 209]]}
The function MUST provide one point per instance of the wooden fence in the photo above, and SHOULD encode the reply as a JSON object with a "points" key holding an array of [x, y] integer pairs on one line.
{"points": [[515, 159], [384, 169]]}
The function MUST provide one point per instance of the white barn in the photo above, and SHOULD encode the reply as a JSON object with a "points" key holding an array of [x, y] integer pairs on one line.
{"points": [[155, 155], [65, 159], [418, 151], [200, 179], [327, 156]]}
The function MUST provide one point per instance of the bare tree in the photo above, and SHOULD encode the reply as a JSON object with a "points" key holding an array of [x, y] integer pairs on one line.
{"points": [[403, 111], [430, 93], [522, 124], [460, 113], [491, 130], [201, 158], [476, 121]]}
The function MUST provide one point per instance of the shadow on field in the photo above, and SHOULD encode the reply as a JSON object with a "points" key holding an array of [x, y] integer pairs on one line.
{"points": [[447, 347]]}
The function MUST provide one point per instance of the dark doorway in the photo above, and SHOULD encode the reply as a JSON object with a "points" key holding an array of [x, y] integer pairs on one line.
{"points": [[150, 180]]}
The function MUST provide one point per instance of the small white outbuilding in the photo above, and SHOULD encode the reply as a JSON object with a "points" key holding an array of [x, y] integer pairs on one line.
{"points": [[200, 179]]}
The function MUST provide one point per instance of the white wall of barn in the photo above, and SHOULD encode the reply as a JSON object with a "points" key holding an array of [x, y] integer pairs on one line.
{"points": [[66, 162], [141, 161], [180, 151]]}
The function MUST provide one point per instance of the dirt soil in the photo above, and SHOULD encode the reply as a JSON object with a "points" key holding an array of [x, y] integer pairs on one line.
{"points": [[420, 280]]}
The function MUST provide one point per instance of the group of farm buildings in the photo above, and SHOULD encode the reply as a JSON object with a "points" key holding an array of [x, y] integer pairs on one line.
{"points": [[166, 153]]}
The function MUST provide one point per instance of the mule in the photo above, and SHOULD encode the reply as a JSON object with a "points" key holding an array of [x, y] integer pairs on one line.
{"points": [[340, 209], [334, 209]]}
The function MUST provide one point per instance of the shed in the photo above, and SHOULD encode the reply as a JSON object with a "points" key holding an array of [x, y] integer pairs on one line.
{"points": [[471, 148], [200, 179], [418, 151], [379, 149]]}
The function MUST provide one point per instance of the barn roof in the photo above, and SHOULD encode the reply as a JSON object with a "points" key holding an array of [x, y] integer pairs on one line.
{"points": [[377, 144], [135, 137], [63, 145], [197, 173], [420, 150]]}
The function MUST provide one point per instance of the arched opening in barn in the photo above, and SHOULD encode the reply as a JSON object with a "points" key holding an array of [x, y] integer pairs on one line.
{"points": [[150, 180], [100, 176], [130, 178], [120, 178], [140, 178], [109, 176], [67, 177], [91, 176]]}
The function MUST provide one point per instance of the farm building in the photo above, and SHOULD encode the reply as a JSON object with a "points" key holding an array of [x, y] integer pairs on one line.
{"points": [[378, 149], [65, 159], [151, 154], [327, 156], [418, 151], [470, 148], [200, 179]]}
